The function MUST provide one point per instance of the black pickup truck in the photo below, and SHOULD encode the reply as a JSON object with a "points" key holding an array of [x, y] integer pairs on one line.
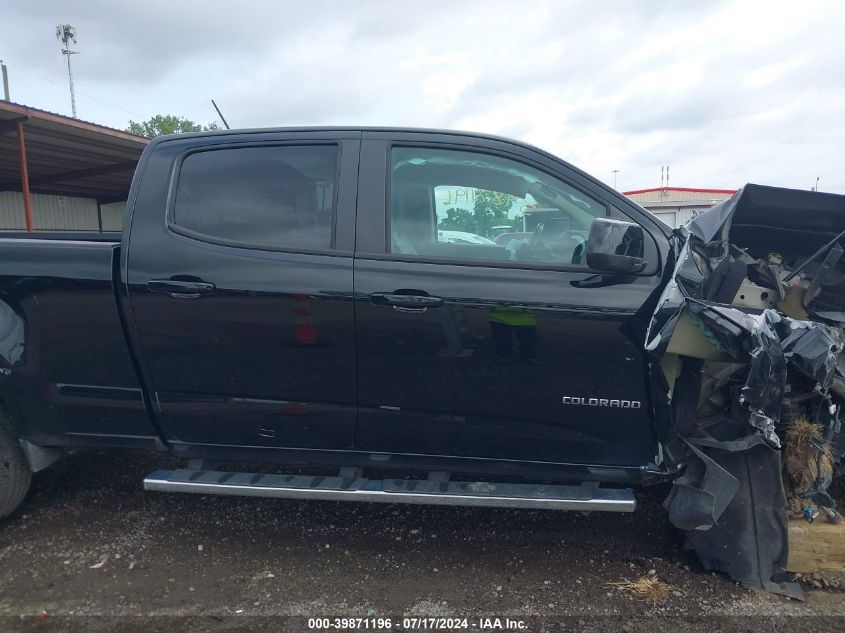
{"points": [[327, 298]]}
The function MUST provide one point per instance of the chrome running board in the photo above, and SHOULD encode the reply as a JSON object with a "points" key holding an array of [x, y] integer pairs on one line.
{"points": [[349, 485]]}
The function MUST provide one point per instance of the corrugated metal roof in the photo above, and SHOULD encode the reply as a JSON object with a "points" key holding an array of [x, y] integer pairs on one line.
{"points": [[20, 108], [65, 155]]}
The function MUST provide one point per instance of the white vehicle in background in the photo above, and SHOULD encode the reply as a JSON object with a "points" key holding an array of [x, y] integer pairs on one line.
{"points": [[462, 237]]}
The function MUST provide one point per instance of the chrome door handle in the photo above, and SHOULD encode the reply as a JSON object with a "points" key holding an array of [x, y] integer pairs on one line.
{"points": [[407, 303], [181, 289]]}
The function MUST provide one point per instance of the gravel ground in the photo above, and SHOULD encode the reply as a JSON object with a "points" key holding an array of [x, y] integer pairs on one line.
{"points": [[89, 541]]}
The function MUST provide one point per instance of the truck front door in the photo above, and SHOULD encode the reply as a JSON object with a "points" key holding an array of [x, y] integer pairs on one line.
{"points": [[240, 282], [510, 347]]}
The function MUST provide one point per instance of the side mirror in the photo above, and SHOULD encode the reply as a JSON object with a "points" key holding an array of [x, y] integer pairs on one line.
{"points": [[615, 246]]}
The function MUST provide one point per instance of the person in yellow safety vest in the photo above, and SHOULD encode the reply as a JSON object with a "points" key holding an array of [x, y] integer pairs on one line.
{"points": [[509, 321]]}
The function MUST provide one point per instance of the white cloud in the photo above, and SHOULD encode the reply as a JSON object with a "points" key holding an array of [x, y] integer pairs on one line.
{"points": [[764, 75]]}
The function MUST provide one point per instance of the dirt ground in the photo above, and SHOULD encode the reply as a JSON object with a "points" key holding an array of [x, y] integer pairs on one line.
{"points": [[89, 541]]}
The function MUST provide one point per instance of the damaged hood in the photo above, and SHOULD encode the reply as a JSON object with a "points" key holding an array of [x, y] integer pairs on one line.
{"points": [[771, 209], [756, 207], [792, 225]]}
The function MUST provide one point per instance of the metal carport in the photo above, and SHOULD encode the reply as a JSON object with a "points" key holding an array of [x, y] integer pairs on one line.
{"points": [[59, 173]]}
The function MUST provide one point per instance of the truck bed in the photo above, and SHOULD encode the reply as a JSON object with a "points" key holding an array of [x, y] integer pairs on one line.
{"points": [[64, 361]]}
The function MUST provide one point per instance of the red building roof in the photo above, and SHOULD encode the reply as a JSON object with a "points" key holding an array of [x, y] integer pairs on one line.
{"points": [[692, 189]]}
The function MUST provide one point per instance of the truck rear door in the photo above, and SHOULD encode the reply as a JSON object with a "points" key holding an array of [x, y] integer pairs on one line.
{"points": [[509, 348], [239, 270]]}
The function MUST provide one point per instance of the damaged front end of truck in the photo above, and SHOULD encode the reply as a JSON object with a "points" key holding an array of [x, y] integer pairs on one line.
{"points": [[745, 352]]}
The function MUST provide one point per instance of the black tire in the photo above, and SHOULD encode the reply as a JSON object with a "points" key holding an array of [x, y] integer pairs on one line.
{"points": [[15, 475]]}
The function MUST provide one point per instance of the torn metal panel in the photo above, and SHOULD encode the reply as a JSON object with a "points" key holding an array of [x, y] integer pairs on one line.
{"points": [[700, 496], [825, 296], [750, 540], [764, 387], [735, 359], [815, 351]]}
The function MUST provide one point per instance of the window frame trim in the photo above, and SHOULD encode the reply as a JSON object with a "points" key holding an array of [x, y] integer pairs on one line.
{"points": [[170, 217], [653, 268]]}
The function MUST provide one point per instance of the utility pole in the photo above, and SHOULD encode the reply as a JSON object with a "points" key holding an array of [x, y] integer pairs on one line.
{"points": [[615, 171], [66, 34], [5, 72]]}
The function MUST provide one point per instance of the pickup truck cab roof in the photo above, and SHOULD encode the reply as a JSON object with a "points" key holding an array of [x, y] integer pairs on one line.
{"points": [[420, 133]]}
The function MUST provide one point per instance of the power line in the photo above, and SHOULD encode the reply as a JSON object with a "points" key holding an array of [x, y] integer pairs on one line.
{"points": [[30, 72], [17, 66], [111, 105]]}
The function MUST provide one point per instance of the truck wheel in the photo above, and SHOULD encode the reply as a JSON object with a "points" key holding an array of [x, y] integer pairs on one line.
{"points": [[14, 473]]}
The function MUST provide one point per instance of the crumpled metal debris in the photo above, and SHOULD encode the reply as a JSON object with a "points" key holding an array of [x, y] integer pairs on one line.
{"points": [[814, 351], [700, 496], [728, 373]]}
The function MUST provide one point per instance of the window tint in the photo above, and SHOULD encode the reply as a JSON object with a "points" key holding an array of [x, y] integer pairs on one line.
{"points": [[260, 196], [466, 205]]}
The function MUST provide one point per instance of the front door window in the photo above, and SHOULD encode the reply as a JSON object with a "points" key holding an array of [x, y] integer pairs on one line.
{"points": [[471, 206]]}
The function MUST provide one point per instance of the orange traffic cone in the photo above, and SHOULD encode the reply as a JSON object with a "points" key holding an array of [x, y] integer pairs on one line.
{"points": [[304, 332]]}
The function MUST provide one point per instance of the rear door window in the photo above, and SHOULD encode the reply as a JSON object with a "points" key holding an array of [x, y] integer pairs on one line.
{"points": [[277, 197]]}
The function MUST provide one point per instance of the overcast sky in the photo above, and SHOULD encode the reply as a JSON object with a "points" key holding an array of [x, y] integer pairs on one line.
{"points": [[723, 92]]}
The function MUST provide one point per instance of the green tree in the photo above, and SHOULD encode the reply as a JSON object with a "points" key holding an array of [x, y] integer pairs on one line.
{"points": [[491, 209], [162, 124], [457, 220]]}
